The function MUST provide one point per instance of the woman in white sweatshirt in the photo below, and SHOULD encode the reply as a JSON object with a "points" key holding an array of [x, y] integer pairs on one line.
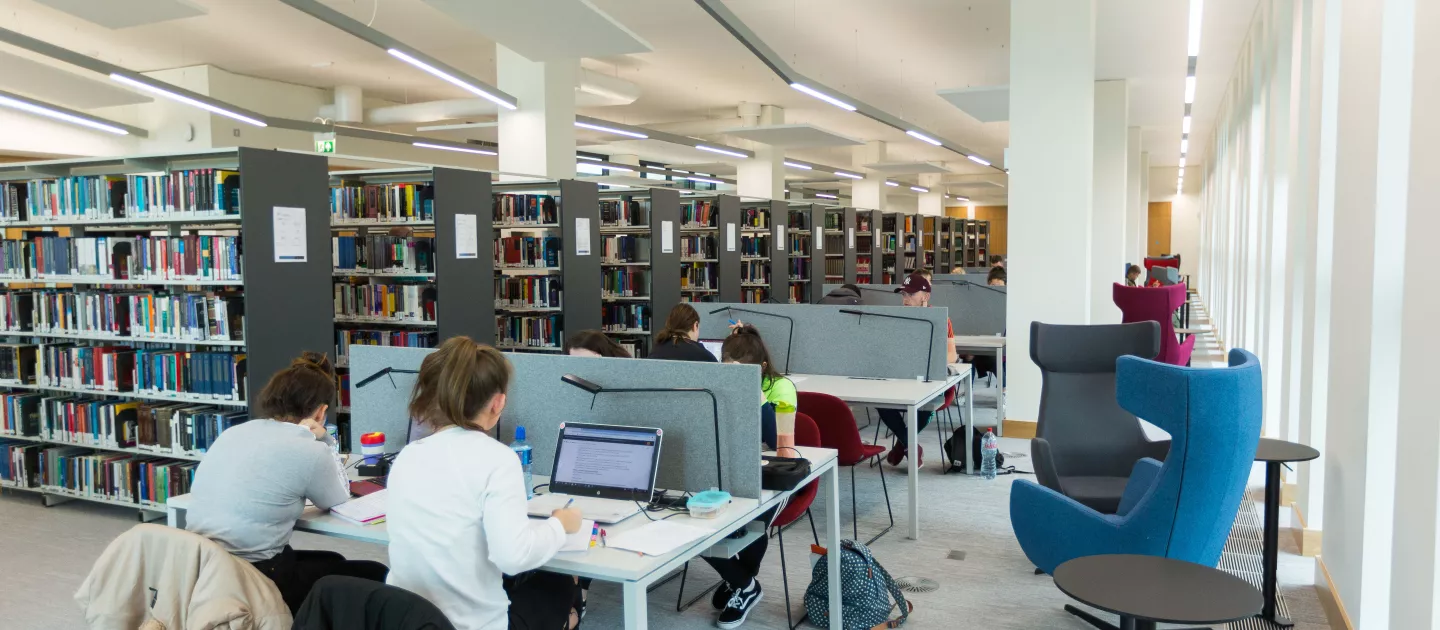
{"points": [[457, 516]]}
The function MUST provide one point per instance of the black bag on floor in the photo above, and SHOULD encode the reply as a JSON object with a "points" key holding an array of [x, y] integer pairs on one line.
{"points": [[955, 451]]}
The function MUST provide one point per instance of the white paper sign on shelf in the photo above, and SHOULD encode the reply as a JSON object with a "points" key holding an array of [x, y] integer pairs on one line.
{"points": [[467, 239], [289, 226], [582, 236], [779, 238], [667, 237], [729, 237], [819, 236], [850, 234]]}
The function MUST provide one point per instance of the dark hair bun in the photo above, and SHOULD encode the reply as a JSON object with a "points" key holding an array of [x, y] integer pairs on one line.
{"points": [[747, 329], [316, 360]]}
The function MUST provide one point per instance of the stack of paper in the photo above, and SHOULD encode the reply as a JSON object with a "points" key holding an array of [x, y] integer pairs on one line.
{"points": [[583, 538], [658, 538], [366, 510]]}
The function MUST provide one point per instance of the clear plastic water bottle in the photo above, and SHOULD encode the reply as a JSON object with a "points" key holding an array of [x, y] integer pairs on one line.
{"points": [[522, 450], [333, 433], [989, 448]]}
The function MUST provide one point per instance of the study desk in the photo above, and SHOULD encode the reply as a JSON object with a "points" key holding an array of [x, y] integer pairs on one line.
{"points": [[634, 572], [993, 345], [895, 393]]}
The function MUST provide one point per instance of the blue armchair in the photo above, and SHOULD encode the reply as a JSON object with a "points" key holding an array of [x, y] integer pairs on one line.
{"points": [[1182, 508]]}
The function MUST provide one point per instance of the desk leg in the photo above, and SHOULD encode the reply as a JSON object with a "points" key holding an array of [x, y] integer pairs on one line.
{"points": [[912, 447], [636, 607], [175, 517], [1271, 546], [1000, 390], [969, 422], [832, 542]]}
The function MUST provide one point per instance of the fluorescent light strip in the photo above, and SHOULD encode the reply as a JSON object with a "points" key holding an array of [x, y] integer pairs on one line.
{"points": [[978, 160], [427, 145], [1182, 164], [850, 175], [892, 184], [915, 134], [825, 196], [580, 165], [59, 115], [449, 78], [919, 189], [1185, 125], [959, 198], [586, 157], [1190, 89], [611, 130], [799, 166], [823, 96], [153, 89], [702, 179], [1184, 146], [1197, 13], [721, 151]]}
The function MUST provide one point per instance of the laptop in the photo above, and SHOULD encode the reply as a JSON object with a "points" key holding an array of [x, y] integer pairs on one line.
{"points": [[713, 345], [605, 468]]}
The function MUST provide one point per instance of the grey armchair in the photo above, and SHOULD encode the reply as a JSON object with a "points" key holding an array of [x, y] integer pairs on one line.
{"points": [[1085, 445]]}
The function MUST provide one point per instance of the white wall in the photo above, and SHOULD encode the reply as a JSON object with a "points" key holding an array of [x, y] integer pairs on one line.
{"points": [[1184, 212]]}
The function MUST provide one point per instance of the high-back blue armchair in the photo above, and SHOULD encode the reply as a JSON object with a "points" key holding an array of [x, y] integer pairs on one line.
{"points": [[1181, 509]]}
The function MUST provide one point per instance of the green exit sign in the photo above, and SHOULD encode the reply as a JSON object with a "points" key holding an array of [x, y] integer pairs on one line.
{"points": [[324, 146]]}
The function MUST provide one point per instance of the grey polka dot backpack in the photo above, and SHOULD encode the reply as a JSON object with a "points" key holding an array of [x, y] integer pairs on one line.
{"points": [[867, 594]]}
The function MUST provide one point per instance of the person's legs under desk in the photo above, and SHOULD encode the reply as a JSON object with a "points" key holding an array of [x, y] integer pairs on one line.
{"points": [[540, 600], [894, 419], [295, 572]]}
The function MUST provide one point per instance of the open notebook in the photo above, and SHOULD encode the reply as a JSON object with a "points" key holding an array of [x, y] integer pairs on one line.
{"points": [[366, 510]]}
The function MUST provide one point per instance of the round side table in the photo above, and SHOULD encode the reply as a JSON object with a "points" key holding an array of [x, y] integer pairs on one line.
{"points": [[1274, 453], [1145, 590]]}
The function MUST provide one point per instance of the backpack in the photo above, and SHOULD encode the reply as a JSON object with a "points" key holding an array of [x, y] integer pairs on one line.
{"points": [[955, 451], [866, 591]]}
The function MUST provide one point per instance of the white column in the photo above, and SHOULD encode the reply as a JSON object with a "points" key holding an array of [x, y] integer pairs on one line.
{"points": [[1142, 218], [1135, 204], [933, 202], [1051, 158], [1278, 151], [763, 176], [1107, 222], [869, 193], [538, 138]]}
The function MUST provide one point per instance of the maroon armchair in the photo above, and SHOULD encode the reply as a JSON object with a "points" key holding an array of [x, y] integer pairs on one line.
{"points": [[1157, 304]]}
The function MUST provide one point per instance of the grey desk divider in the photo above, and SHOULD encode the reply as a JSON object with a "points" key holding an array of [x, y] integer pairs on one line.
{"points": [[826, 341], [539, 401], [975, 309]]}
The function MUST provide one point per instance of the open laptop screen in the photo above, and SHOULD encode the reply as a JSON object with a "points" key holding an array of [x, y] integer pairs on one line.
{"points": [[607, 461], [713, 345]]}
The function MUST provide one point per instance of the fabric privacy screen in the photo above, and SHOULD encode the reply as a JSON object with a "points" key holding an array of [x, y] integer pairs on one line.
{"points": [[975, 309]]}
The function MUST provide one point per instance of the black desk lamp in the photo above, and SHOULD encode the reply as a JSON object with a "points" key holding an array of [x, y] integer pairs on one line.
{"points": [[790, 335], [384, 372], [383, 468], [930, 347], [596, 389]]}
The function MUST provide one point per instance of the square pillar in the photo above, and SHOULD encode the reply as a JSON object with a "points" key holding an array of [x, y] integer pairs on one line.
{"points": [[1107, 222], [538, 138]]}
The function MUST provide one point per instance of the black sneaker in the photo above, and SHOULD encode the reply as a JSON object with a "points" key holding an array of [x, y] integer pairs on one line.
{"points": [[739, 606], [721, 596]]}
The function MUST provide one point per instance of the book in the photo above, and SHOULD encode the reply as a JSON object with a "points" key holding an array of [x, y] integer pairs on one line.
{"points": [[367, 510]]}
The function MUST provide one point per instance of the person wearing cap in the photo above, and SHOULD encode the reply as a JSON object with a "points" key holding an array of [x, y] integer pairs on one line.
{"points": [[915, 292]]}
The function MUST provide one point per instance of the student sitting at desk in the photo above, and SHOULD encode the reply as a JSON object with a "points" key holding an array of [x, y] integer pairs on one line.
{"points": [[457, 518], [678, 341], [253, 483], [915, 292], [996, 278], [593, 343], [1132, 276]]}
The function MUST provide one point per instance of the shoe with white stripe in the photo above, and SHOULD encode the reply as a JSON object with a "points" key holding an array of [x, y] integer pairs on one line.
{"points": [[739, 606]]}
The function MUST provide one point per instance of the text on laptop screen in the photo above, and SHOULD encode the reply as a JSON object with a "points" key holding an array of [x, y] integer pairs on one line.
{"points": [[713, 345], [605, 457]]}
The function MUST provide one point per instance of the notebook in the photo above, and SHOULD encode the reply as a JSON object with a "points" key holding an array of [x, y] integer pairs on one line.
{"points": [[581, 539], [366, 510]]}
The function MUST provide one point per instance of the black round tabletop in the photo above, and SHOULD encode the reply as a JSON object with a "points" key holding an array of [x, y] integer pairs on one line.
{"points": [[1158, 589], [1281, 451]]}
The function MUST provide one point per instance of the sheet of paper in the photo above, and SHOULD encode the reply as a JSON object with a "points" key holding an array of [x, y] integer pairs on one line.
{"points": [[582, 237], [467, 237], [729, 237], [850, 233], [580, 540], [658, 538], [779, 238], [819, 237], [289, 226], [667, 237]]}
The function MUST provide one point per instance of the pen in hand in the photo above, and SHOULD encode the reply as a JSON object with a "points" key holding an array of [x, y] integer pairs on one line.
{"points": [[567, 503]]}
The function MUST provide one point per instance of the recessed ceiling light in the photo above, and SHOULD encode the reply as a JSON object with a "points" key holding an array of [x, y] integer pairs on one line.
{"points": [[1185, 125], [1190, 89], [721, 151], [451, 79], [823, 96], [798, 165], [979, 160], [915, 134], [1197, 13], [442, 147], [155, 89], [1184, 146], [622, 132], [850, 175]]}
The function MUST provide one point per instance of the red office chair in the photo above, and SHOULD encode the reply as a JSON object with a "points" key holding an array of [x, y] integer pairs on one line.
{"points": [[838, 431], [944, 427], [806, 434]]}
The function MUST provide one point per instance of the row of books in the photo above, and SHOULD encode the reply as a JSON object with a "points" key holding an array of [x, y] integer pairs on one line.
{"points": [[175, 429], [799, 268], [834, 242], [698, 214], [625, 282], [797, 294], [527, 292], [200, 257], [144, 315], [698, 246], [755, 218], [755, 245], [142, 480], [834, 267], [862, 222], [526, 210], [862, 265], [393, 254], [197, 192], [382, 203], [699, 276], [626, 317], [17, 363], [755, 271], [799, 243], [216, 375], [528, 251], [535, 331], [625, 248], [346, 337], [409, 302], [624, 213], [754, 295]]}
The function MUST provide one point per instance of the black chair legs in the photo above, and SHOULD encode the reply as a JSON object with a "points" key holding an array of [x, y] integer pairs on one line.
{"points": [[855, 513], [785, 581], [680, 596]]}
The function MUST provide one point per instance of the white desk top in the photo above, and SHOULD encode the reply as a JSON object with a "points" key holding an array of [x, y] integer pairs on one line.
{"points": [[600, 563], [878, 391], [979, 341]]}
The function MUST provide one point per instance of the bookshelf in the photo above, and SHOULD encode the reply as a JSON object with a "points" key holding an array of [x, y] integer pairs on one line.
{"points": [[837, 259], [759, 255], [137, 322], [699, 247], [910, 244], [805, 247], [547, 258], [869, 252], [975, 242], [889, 247], [641, 279]]}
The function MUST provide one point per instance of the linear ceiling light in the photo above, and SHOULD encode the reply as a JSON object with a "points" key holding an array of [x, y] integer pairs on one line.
{"points": [[1184, 145], [915, 134], [798, 165], [721, 151], [1197, 11], [1182, 163], [622, 132], [584, 165], [920, 189], [1185, 125], [825, 196], [850, 175], [445, 147], [703, 179], [451, 79], [978, 160], [959, 198], [1190, 89], [823, 96], [891, 184], [41, 108], [586, 157], [140, 82]]}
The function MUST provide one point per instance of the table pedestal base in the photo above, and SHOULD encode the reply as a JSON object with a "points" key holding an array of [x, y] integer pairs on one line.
{"points": [[1126, 622]]}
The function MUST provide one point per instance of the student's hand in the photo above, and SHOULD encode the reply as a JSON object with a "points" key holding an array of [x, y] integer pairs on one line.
{"points": [[315, 427], [569, 519], [736, 326]]}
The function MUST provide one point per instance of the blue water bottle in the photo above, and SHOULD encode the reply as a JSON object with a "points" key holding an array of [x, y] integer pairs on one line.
{"points": [[522, 450]]}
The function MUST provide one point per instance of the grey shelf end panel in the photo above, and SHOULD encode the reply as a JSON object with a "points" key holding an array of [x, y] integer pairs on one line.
{"points": [[465, 286], [779, 251], [847, 225], [580, 266], [288, 305], [729, 245], [664, 266], [877, 245], [811, 292]]}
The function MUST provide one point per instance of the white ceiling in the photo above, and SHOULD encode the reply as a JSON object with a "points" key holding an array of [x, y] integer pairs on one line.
{"points": [[895, 56]]}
